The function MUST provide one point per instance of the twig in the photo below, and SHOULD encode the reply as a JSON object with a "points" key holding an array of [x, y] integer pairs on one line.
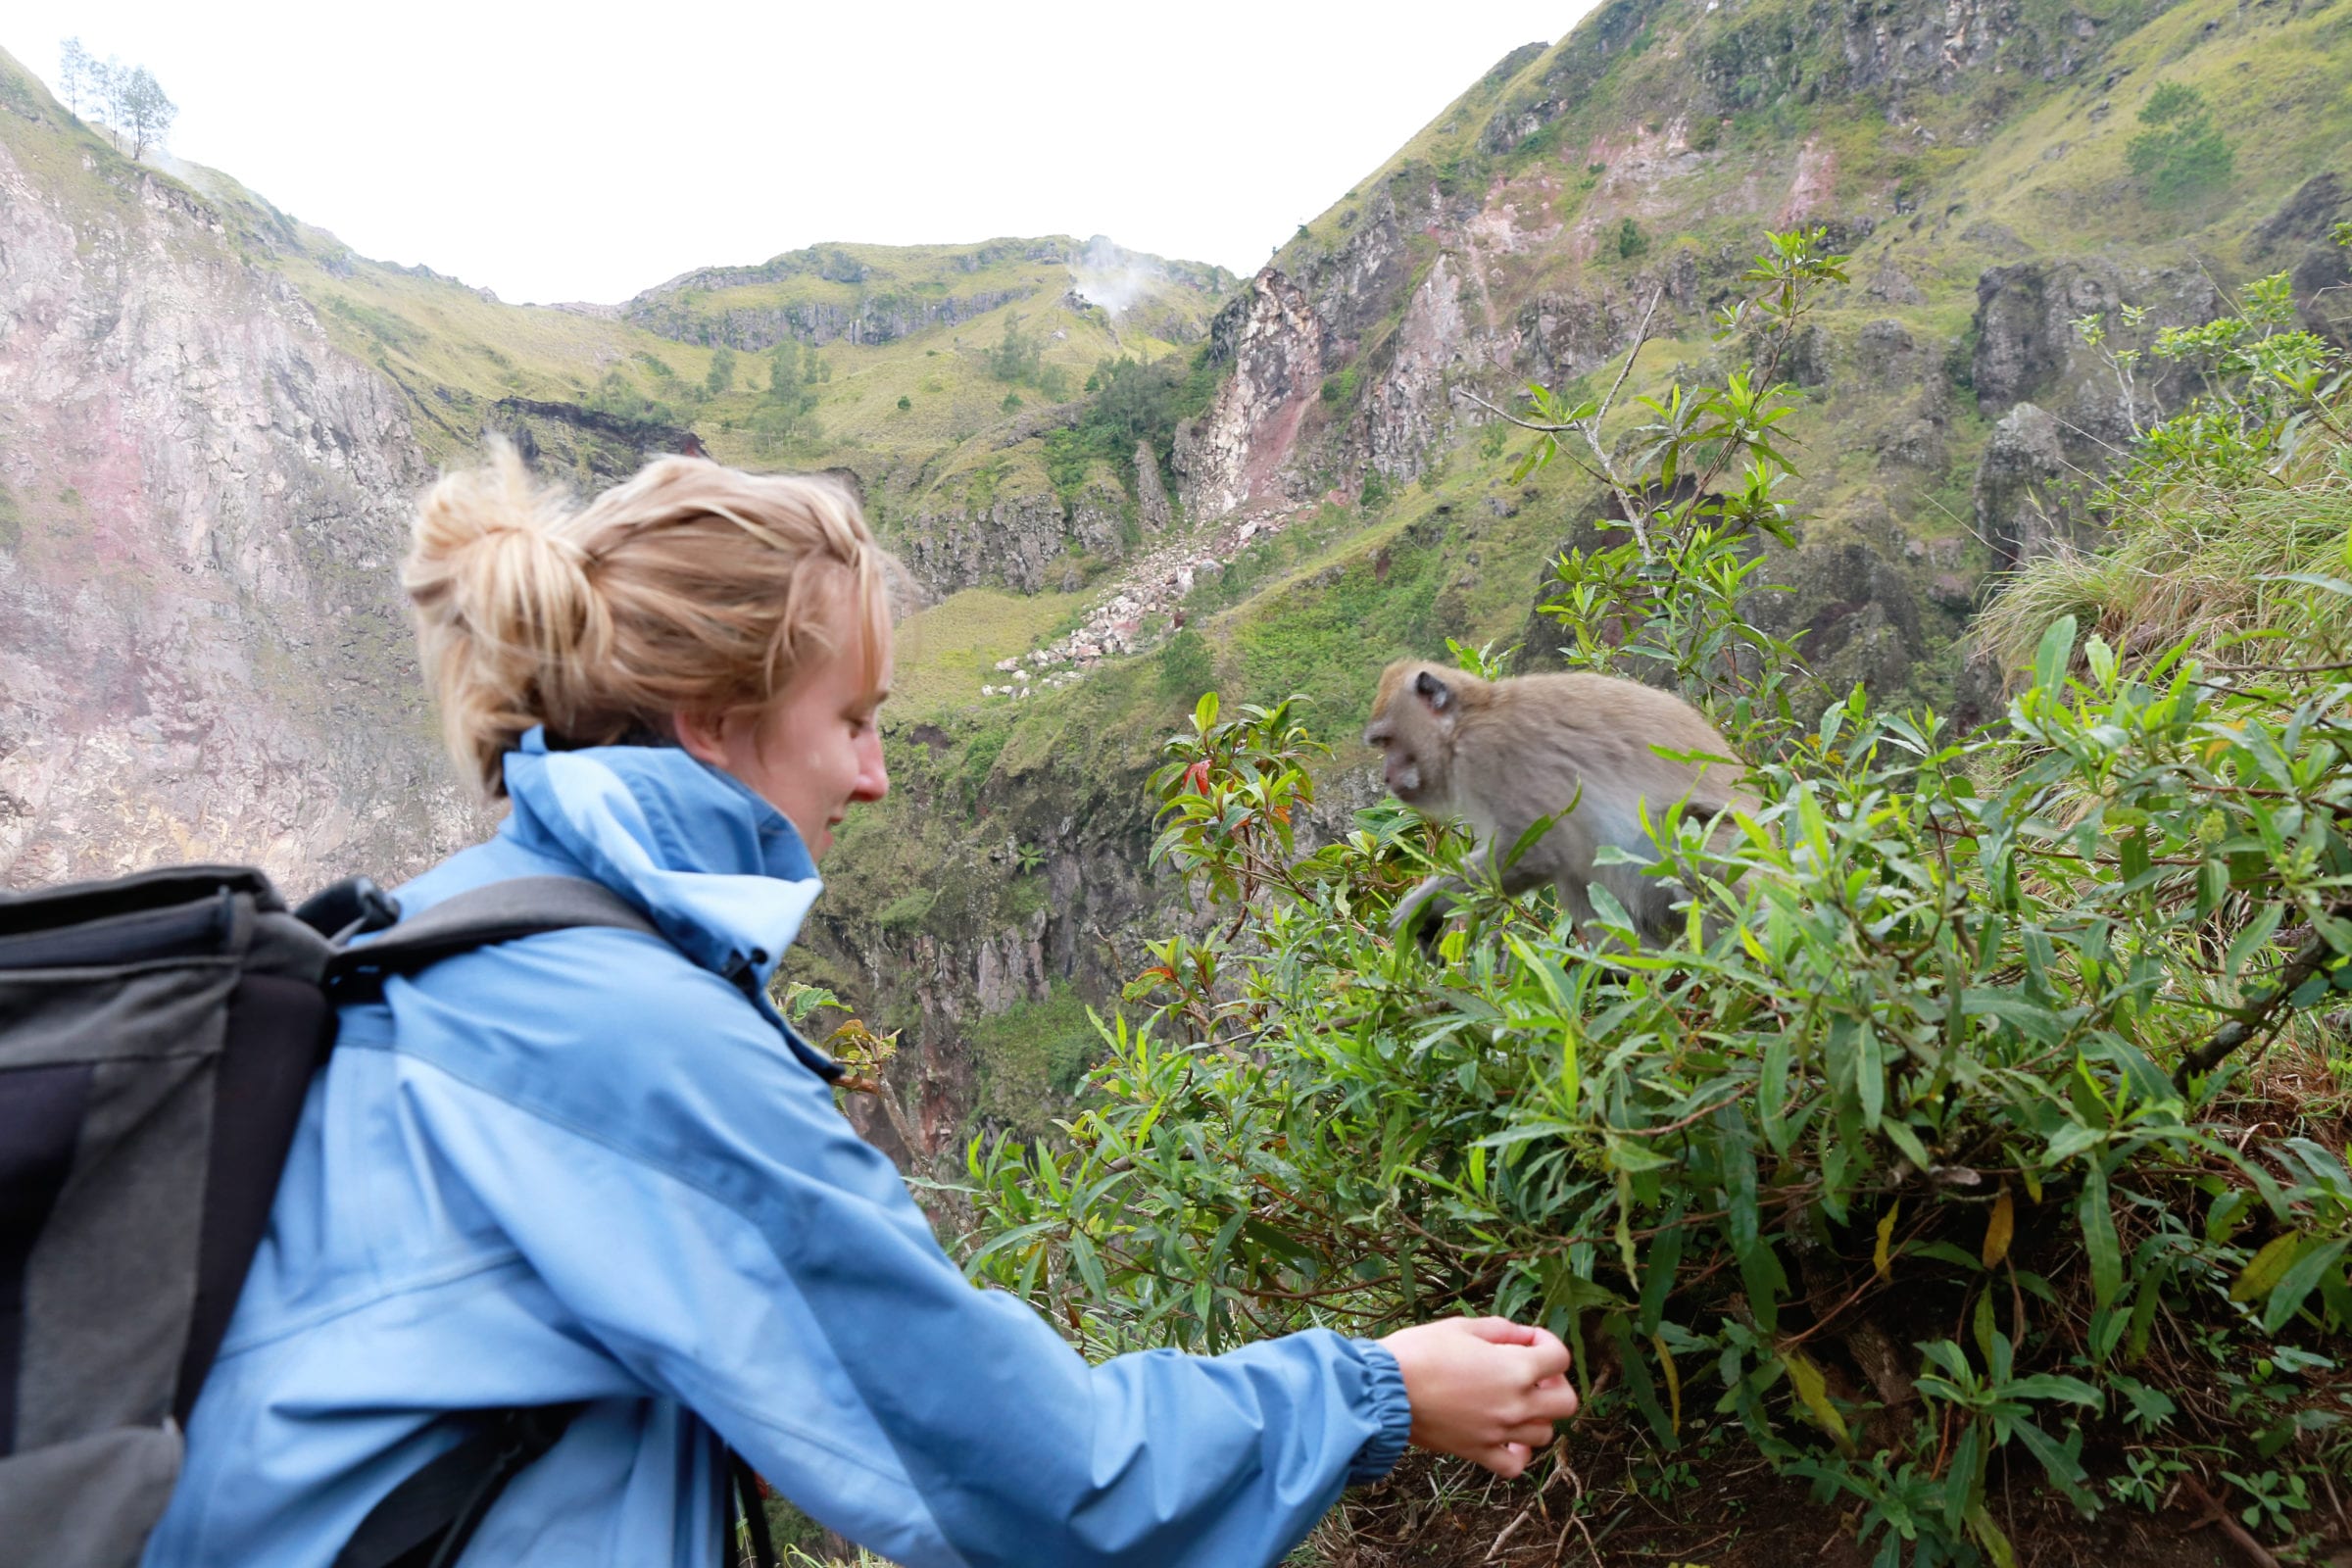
{"points": [[2214, 1514], [1512, 419], [1635, 513], [1496, 1549], [2343, 1520], [1576, 1517], [2255, 1016], [1676, 1126]]}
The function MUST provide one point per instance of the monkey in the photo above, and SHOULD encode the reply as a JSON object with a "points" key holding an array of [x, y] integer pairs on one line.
{"points": [[1502, 754]]}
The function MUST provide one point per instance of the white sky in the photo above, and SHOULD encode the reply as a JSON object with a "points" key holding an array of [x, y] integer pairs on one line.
{"points": [[587, 151]]}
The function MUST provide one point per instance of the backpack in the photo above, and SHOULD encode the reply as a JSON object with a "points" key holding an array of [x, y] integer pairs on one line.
{"points": [[158, 1036]]}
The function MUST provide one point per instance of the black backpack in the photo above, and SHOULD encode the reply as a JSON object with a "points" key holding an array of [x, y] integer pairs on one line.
{"points": [[158, 1034]]}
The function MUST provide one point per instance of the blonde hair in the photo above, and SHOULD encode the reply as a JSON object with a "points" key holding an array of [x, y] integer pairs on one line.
{"points": [[692, 587]]}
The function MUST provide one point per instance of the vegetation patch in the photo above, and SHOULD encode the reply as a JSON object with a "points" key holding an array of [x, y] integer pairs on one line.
{"points": [[1031, 1058], [1973, 1161]]}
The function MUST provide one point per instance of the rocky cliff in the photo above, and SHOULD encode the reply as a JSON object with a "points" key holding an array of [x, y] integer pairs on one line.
{"points": [[1968, 158], [209, 441], [201, 656]]}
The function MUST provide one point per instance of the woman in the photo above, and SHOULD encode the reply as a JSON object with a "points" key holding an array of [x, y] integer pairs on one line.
{"points": [[595, 1167]]}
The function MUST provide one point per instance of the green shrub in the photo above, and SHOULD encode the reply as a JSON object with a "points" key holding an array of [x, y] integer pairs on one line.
{"points": [[1031, 1058], [2183, 151], [1631, 242], [1017, 356], [1187, 668], [617, 396], [1131, 405], [908, 909], [1937, 1168]]}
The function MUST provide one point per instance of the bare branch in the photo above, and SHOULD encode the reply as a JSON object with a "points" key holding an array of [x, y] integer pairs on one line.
{"points": [[1508, 418], [1640, 336], [2256, 1017], [1581, 465]]}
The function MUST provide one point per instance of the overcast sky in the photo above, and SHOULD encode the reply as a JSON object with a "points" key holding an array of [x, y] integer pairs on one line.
{"points": [[588, 151]]}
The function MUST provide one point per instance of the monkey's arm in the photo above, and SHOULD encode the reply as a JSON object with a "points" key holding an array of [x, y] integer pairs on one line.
{"points": [[1422, 912]]}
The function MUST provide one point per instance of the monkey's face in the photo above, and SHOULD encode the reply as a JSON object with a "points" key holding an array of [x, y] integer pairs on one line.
{"points": [[1412, 724]]}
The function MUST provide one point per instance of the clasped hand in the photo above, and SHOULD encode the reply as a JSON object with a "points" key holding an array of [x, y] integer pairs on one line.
{"points": [[1484, 1389]]}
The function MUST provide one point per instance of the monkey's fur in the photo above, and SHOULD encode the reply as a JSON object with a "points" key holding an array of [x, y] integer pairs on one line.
{"points": [[1502, 754]]}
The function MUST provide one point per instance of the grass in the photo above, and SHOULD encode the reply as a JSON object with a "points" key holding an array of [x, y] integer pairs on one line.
{"points": [[2190, 570], [948, 652]]}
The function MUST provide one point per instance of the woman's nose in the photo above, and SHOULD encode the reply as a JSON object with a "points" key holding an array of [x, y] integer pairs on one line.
{"points": [[873, 775]]}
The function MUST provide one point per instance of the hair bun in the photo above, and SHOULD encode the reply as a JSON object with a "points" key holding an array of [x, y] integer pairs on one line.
{"points": [[506, 613]]}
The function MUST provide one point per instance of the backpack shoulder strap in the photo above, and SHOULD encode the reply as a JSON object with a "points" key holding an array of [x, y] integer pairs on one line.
{"points": [[426, 1520], [501, 912]]}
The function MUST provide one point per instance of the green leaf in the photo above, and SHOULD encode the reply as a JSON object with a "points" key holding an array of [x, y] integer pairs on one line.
{"points": [[1767, 1282], [1771, 1092], [2267, 1268], [2253, 939], [2098, 1237], [1988, 1536], [1665, 1256], [1639, 1384], [1813, 1392], [1870, 1076], [2051, 1386], [2059, 1463], [2298, 1282], [1632, 1155], [1967, 1473], [2050, 657]]}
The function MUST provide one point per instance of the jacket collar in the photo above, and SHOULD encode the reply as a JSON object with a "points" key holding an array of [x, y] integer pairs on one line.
{"points": [[720, 870]]}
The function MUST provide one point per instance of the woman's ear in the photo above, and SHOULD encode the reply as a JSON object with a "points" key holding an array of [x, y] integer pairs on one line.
{"points": [[702, 736]]}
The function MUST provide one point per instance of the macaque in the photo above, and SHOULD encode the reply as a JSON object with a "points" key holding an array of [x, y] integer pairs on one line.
{"points": [[1503, 754]]}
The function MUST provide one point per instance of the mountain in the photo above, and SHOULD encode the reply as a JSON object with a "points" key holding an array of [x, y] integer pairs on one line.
{"points": [[214, 419]]}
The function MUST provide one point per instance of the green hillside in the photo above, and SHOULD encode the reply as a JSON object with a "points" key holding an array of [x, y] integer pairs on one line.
{"points": [[1994, 172]]}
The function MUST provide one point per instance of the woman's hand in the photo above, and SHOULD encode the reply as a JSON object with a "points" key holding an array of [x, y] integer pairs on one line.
{"points": [[1484, 1389]]}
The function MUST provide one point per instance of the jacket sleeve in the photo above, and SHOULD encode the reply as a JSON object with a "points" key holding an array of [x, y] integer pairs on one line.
{"points": [[692, 1195]]}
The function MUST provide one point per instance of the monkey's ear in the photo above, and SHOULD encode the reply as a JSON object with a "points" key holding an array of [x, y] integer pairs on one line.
{"points": [[1433, 691]]}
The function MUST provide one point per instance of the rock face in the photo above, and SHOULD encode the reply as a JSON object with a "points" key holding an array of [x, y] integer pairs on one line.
{"points": [[1014, 540], [2017, 512], [2063, 407], [882, 318], [201, 651], [1152, 497], [1236, 453], [2298, 239], [2028, 347]]}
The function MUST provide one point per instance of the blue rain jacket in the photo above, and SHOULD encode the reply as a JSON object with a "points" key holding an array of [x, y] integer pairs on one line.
{"points": [[585, 1166]]}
